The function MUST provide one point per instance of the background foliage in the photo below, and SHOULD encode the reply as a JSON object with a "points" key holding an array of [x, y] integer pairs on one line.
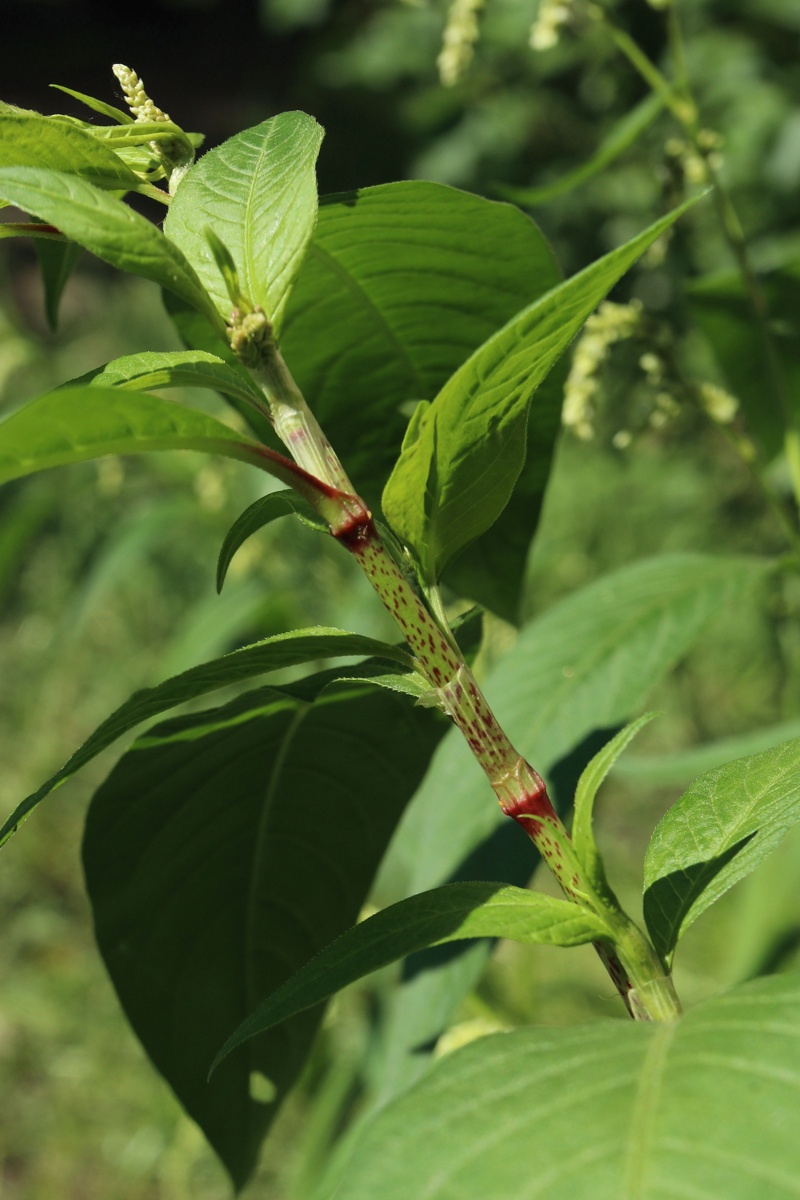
{"points": [[111, 565]]}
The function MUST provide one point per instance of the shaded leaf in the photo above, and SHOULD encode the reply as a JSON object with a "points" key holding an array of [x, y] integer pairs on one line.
{"points": [[262, 512], [701, 1107], [106, 226], [224, 850], [271, 654], [447, 914], [717, 833], [682, 766], [257, 191], [57, 261], [452, 482]]}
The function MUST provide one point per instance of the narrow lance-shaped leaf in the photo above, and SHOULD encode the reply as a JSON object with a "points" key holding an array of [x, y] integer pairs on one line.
{"points": [[100, 106], [585, 793], [258, 192], [447, 914], [454, 478], [108, 227], [272, 654], [717, 833], [57, 261], [225, 850], [263, 512]]}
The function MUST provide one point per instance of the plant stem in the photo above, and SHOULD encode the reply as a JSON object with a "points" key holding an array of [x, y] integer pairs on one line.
{"points": [[520, 790]]}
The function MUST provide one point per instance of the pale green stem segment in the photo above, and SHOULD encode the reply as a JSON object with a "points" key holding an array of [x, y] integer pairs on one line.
{"points": [[520, 790]]}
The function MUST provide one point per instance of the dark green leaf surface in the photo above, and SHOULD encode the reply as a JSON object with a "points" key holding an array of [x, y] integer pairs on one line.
{"points": [[387, 265], [257, 191], [262, 512], [624, 134], [447, 914], [187, 368], [271, 654], [57, 261], [702, 1108], [680, 767], [455, 477], [30, 140], [587, 663], [106, 226], [719, 831], [224, 851]]}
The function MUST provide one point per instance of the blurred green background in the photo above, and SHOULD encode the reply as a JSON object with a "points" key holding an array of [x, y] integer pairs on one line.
{"points": [[106, 570]]}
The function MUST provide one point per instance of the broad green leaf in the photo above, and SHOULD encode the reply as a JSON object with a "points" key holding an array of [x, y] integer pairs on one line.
{"points": [[454, 480], [271, 654], [224, 851], [586, 792], [188, 368], [385, 266], [106, 226], [30, 140], [447, 914], [73, 424], [587, 663], [262, 512], [717, 833], [257, 191], [682, 766], [57, 261], [701, 1108], [624, 134]]}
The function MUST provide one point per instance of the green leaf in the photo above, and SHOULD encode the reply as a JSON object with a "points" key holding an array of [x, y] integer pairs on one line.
{"points": [[385, 266], [188, 368], [447, 914], [271, 654], [257, 191], [624, 134], [717, 833], [702, 1107], [106, 226], [587, 663], [454, 480], [73, 424], [262, 512], [588, 786], [57, 261], [28, 139], [100, 106], [225, 850]]}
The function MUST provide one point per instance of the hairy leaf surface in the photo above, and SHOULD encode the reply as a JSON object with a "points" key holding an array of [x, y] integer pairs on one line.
{"points": [[717, 833], [258, 193], [28, 139], [700, 1107]]}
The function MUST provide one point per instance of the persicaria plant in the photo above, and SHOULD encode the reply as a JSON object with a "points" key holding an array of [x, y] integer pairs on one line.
{"points": [[230, 851]]}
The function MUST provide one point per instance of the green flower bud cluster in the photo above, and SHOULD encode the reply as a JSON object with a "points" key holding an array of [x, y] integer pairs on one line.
{"points": [[141, 106], [250, 335]]}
